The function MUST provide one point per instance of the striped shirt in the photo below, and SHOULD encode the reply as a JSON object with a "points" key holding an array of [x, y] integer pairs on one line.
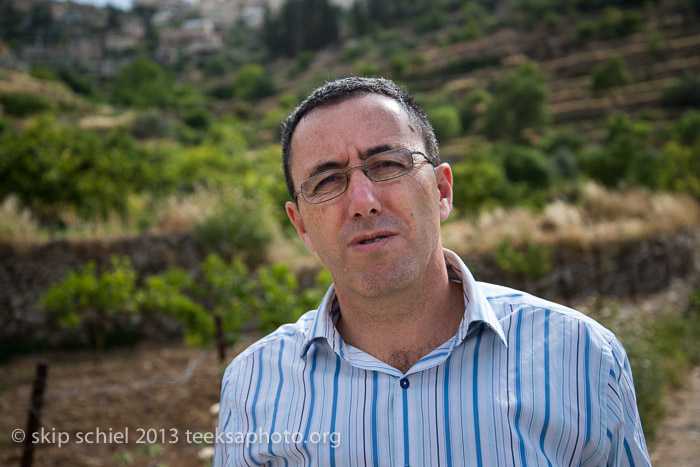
{"points": [[523, 382]]}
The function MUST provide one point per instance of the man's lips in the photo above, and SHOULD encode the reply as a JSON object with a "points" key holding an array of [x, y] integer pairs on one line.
{"points": [[370, 238]]}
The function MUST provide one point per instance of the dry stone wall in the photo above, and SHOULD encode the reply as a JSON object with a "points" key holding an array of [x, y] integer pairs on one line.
{"points": [[628, 268]]}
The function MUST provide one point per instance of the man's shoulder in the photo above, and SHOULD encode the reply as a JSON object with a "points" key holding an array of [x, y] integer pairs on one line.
{"points": [[506, 301], [291, 337]]}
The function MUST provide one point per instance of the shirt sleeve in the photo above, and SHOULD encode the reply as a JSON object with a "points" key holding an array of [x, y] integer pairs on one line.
{"points": [[627, 446]]}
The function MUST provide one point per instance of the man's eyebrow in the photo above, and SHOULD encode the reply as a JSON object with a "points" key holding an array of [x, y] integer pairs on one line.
{"points": [[375, 150], [331, 165], [325, 167]]}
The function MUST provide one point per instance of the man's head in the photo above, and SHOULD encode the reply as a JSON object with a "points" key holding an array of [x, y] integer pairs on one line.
{"points": [[344, 89], [375, 237]]}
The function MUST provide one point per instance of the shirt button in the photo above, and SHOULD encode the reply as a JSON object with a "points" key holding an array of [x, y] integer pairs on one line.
{"points": [[404, 383]]}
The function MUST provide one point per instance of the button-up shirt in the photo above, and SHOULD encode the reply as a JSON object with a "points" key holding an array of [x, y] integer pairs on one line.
{"points": [[524, 381]]}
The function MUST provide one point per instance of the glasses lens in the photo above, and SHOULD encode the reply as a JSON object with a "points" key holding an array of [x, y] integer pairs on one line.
{"points": [[389, 164], [324, 186]]}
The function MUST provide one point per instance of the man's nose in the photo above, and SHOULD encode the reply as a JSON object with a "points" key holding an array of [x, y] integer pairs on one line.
{"points": [[363, 199]]}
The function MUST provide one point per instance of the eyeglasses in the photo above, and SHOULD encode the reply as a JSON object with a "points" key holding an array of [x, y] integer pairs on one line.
{"points": [[380, 167]]}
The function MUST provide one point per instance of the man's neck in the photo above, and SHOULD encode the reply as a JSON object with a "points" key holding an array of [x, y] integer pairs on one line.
{"points": [[402, 327]]}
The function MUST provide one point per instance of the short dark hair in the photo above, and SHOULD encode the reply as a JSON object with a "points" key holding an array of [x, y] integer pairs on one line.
{"points": [[340, 90]]}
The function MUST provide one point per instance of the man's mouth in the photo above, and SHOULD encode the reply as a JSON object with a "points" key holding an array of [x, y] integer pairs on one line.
{"points": [[372, 240]]}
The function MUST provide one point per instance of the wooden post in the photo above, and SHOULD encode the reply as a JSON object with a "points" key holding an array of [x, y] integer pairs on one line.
{"points": [[36, 404], [220, 341]]}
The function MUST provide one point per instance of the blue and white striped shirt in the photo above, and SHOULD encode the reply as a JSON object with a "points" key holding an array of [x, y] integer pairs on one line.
{"points": [[523, 382]]}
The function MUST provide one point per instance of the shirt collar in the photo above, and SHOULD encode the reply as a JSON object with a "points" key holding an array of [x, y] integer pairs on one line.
{"points": [[477, 310]]}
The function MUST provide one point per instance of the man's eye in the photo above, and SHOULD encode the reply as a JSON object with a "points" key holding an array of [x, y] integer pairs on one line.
{"points": [[387, 167], [329, 183]]}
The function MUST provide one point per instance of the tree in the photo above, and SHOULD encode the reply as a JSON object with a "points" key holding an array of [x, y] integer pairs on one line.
{"points": [[520, 103], [681, 168], [51, 168], [144, 83], [624, 156], [300, 25], [610, 75], [253, 81], [446, 122], [93, 301]]}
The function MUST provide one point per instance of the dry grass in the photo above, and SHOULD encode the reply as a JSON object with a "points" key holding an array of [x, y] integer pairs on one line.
{"points": [[602, 215], [12, 82]]}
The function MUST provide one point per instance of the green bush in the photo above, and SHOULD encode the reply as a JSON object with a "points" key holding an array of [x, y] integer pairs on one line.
{"points": [[431, 20], [227, 293], [93, 302], [279, 298], [167, 294], [253, 82], [43, 73], [217, 65], [240, 225], [51, 168], [687, 129], [585, 30], [198, 118], [609, 75], [355, 49], [615, 23], [624, 156], [519, 103], [685, 91], [368, 69], [532, 261], [302, 62], [278, 303], [481, 184], [656, 43], [152, 123], [144, 83], [527, 165], [473, 106], [398, 63], [681, 168], [446, 122], [561, 148], [222, 91], [79, 83], [23, 104]]}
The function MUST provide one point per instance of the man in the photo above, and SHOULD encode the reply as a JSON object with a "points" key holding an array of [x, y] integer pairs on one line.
{"points": [[408, 360]]}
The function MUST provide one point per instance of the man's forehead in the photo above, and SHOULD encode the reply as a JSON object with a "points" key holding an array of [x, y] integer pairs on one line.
{"points": [[360, 123]]}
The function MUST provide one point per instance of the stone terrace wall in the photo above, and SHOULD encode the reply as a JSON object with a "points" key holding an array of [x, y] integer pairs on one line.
{"points": [[27, 272], [628, 268]]}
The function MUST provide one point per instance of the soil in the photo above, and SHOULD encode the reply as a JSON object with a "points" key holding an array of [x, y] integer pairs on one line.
{"points": [[132, 396], [678, 441]]}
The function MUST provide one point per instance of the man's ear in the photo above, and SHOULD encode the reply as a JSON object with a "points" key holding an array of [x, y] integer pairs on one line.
{"points": [[298, 222], [443, 175]]}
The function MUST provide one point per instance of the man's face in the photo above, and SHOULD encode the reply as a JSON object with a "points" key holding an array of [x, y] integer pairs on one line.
{"points": [[377, 237]]}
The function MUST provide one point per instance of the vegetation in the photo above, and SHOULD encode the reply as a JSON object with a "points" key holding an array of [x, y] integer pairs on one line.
{"points": [[215, 139], [662, 349], [24, 104], [610, 75], [94, 302], [52, 167], [519, 104], [531, 261]]}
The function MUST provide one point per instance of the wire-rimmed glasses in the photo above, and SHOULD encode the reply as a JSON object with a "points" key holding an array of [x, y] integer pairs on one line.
{"points": [[386, 165]]}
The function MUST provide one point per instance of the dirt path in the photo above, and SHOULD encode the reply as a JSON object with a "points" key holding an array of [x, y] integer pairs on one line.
{"points": [[678, 440]]}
